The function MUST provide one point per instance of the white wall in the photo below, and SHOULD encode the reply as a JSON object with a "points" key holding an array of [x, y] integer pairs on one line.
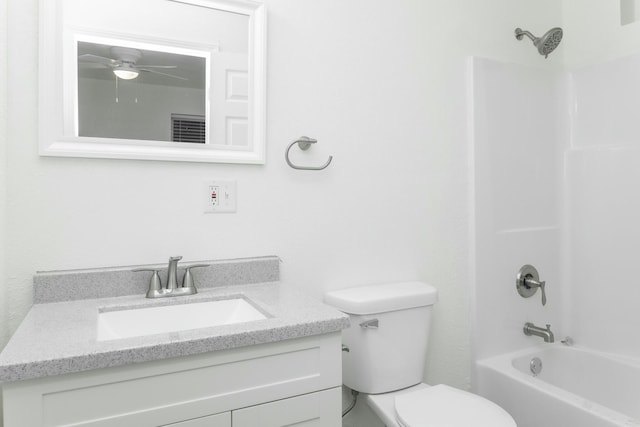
{"points": [[602, 174], [188, 24], [382, 87], [4, 332], [517, 151], [4, 318], [605, 205], [593, 32]]}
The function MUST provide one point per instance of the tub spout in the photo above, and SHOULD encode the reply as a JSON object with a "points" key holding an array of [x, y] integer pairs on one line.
{"points": [[531, 329]]}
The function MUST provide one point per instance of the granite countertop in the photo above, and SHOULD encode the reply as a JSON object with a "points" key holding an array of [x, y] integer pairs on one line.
{"points": [[60, 337]]}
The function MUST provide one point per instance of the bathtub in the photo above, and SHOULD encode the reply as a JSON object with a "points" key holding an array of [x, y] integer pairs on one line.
{"points": [[575, 388]]}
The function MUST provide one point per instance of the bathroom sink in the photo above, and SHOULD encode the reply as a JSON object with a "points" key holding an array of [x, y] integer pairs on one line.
{"points": [[135, 322]]}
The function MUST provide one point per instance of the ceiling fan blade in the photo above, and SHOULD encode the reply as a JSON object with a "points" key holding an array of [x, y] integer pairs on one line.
{"points": [[163, 74], [159, 66], [93, 65], [88, 57]]}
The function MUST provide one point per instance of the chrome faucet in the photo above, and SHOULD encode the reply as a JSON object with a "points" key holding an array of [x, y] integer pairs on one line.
{"points": [[156, 290], [172, 273], [531, 329]]}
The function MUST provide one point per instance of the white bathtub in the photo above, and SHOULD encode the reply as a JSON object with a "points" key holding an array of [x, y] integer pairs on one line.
{"points": [[575, 388]]}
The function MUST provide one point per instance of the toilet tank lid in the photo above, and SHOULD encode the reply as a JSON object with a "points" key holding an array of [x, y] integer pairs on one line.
{"points": [[382, 298]]}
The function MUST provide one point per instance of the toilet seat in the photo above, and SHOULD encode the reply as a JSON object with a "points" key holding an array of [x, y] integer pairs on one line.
{"points": [[445, 406]]}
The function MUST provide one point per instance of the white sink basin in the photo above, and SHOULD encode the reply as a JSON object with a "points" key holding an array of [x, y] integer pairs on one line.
{"points": [[137, 322]]}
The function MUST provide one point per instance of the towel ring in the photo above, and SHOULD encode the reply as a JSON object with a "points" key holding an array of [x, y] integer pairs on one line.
{"points": [[304, 142]]}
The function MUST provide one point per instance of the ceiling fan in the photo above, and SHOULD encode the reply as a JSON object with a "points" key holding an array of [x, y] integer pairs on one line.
{"points": [[123, 63]]}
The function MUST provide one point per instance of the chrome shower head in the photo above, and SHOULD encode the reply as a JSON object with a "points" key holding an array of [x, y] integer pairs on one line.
{"points": [[545, 44]]}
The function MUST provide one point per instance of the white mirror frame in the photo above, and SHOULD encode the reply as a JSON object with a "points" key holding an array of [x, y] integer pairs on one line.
{"points": [[54, 142]]}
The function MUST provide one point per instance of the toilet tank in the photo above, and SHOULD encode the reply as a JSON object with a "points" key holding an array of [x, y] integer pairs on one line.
{"points": [[390, 355]]}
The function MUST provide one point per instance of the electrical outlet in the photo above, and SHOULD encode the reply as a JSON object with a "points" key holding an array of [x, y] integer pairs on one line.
{"points": [[220, 196]]}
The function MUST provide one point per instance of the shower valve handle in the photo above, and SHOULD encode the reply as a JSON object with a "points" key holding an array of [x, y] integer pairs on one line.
{"points": [[535, 284], [528, 281]]}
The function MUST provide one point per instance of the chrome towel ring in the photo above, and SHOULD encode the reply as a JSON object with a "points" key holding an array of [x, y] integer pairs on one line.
{"points": [[304, 142]]}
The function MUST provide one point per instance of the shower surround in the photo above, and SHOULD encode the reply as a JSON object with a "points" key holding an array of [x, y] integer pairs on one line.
{"points": [[554, 157]]}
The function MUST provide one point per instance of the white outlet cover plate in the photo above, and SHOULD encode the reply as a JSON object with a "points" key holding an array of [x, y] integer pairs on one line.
{"points": [[220, 196]]}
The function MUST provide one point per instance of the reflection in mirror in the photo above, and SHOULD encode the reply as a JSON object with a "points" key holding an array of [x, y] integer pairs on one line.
{"points": [[629, 11], [149, 94], [153, 79]]}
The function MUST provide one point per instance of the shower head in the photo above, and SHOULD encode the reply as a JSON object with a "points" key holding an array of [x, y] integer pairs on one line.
{"points": [[545, 44]]}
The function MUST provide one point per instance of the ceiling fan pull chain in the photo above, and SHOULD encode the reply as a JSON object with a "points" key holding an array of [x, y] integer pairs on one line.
{"points": [[117, 91]]}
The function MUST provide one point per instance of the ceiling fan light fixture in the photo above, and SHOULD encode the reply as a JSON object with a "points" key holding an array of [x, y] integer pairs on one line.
{"points": [[126, 73]]}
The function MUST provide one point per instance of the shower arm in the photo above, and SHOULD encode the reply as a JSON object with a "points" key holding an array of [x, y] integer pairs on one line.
{"points": [[520, 33]]}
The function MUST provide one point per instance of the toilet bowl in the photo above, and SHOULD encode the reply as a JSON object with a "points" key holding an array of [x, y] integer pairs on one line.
{"points": [[387, 343]]}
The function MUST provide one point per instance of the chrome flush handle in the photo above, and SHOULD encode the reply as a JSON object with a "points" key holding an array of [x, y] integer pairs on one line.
{"points": [[369, 324]]}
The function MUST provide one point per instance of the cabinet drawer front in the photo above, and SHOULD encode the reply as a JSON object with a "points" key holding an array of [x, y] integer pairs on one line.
{"points": [[320, 409], [218, 420]]}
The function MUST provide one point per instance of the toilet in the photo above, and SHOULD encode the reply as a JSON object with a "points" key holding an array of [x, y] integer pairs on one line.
{"points": [[387, 347]]}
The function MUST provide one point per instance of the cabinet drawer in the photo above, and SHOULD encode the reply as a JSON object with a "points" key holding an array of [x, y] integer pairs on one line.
{"points": [[218, 420], [320, 409]]}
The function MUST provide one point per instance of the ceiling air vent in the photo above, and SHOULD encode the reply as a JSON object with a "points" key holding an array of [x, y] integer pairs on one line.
{"points": [[188, 128]]}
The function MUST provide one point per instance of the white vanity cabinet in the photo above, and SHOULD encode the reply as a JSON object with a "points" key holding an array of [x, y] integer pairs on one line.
{"points": [[296, 381]]}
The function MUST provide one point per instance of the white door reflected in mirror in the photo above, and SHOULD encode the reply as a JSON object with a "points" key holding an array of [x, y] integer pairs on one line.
{"points": [[153, 79]]}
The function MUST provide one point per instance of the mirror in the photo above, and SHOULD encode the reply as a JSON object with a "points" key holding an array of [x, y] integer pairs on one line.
{"points": [[119, 83], [176, 80]]}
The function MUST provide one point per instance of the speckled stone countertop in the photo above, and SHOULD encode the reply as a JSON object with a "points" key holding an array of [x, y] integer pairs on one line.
{"points": [[60, 337]]}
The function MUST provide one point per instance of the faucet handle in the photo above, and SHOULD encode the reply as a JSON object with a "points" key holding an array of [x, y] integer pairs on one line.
{"points": [[567, 341], [532, 283], [528, 282], [187, 281], [155, 284]]}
